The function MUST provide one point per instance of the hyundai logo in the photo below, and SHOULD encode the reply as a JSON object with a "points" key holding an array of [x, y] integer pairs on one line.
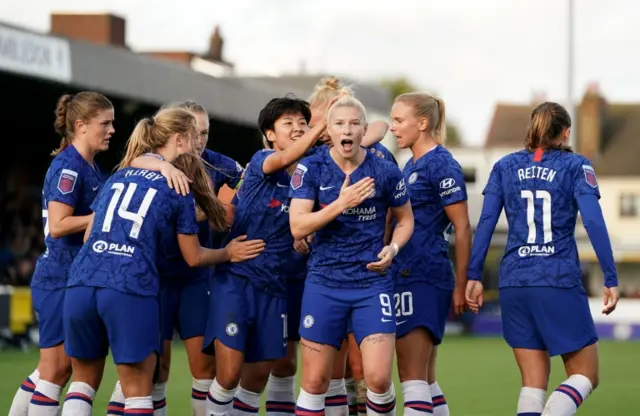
{"points": [[447, 183]]}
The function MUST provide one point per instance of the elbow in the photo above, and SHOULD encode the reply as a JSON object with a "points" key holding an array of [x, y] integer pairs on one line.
{"points": [[55, 231], [297, 231], [192, 261]]}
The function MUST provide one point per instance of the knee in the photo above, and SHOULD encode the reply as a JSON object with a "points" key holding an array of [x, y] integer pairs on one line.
{"points": [[315, 383], [56, 370], [378, 382]]}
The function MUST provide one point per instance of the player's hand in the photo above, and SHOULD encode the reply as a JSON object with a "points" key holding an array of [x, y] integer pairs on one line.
{"points": [[301, 246], [241, 249], [176, 179], [474, 295], [459, 300], [386, 256], [352, 195], [611, 297]]}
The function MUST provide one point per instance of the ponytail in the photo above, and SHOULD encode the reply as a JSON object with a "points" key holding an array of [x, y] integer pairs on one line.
{"points": [[202, 189], [440, 130], [548, 122], [139, 143], [60, 124]]}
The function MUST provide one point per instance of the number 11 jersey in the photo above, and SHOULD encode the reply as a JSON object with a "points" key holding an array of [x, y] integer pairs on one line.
{"points": [[136, 218], [539, 191]]}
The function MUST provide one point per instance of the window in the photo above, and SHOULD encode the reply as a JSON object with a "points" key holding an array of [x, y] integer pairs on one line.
{"points": [[629, 205], [469, 174]]}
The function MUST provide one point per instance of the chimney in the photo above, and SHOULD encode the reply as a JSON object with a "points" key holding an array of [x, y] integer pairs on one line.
{"points": [[102, 29], [216, 43], [590, 123]]}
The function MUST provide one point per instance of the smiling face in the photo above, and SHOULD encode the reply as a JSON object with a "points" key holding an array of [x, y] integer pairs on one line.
{"points": [[287, 129]]}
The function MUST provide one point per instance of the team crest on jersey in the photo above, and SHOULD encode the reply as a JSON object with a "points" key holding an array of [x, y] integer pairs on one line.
{"points": [[413, 177], [308, 321], [590, 176], [232, 329], [67, 181], [298, 176]]}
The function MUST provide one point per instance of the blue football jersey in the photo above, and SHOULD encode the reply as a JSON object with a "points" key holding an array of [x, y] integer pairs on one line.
{"points": [[135, 214], [223, 171], [341, 250], [381, 151], [262, 212], [539, 192], [72, 181], [433, 181]]}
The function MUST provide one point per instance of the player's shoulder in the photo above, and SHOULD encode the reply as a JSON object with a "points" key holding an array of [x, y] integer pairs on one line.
{"points": [[218, 159], [315, 160], [260, 155], [68, 158]]}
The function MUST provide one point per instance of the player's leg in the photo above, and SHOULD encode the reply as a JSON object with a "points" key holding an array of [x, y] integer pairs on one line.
{"points": [[521, 333], [350, 387], [336, 402], [22, 398], [267, 343], [572, 334], [192, 324], [440, 406], [281, 399], [355, 364], [54, 366], [159, 393], [374, 326], [127, 317], [227, 331], [86, 342], [324, 322]]}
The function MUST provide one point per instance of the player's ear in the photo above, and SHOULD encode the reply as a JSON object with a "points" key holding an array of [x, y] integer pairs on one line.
{"points": [[566, 133], [271, 137], [423, 124], [80, 127]]}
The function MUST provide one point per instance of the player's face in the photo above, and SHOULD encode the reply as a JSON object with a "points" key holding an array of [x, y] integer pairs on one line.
{"points": [[316, 114], [287, 129], [98, 130], [346, 128], [405, 126], [202, 124]]}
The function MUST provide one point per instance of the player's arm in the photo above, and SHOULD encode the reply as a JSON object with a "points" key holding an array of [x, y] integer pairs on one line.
{"points": [[238, 249], [62, 222], [304, 221], [375, 133], [277, 161], [491, 210], [458, 214], [176, 179], [87, 232], [404, 226], [388, 228]]}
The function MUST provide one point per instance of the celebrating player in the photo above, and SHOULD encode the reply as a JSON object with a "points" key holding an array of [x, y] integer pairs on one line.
{"points": [[423, 269], [348, 252], [85, 122], [545, 310], [184, 291], [247, 318], [113, 285]]}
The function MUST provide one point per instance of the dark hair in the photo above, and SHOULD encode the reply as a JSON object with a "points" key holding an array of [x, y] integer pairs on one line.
{"points": [[279, 107], [548, 121], [202, 189], [82, 106]]}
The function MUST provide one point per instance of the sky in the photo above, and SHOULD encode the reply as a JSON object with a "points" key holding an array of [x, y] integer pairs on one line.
{"points": [[473, 53]]}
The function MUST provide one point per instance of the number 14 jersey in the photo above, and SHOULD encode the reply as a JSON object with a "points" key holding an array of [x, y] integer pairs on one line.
{"points": [[136, 219], [539, 192]]}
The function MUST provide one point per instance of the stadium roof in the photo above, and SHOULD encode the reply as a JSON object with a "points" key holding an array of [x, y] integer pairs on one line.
{"points": [[120, 72]]}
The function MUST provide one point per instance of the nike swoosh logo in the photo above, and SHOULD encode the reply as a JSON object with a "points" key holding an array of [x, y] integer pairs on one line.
{"points": [[281, 185], [400, 323], [386, 320], [96, 188], [324, 188]]}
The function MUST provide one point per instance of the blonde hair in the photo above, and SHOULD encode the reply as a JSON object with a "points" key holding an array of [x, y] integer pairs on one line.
{"points": [[431, 107], [352, 102], [188, 105], [327, 89], [153, 132], [82, 106]]}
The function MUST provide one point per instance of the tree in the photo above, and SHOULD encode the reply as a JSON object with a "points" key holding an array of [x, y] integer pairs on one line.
{"points": [[401, 85]]}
